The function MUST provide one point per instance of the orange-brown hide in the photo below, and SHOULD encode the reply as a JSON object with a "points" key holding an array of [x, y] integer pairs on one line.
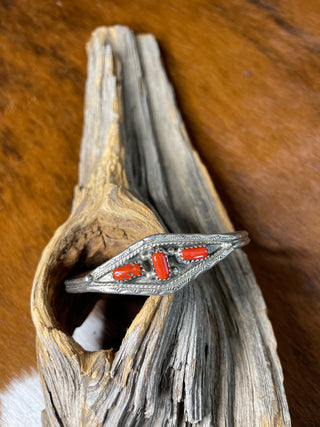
{"points": [[247, 78]]}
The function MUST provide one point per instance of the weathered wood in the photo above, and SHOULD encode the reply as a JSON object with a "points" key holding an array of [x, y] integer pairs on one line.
{"points": [[205, 355]]}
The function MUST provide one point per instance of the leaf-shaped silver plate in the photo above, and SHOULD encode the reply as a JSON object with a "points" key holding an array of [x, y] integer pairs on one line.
{"points": [[159, 264]]}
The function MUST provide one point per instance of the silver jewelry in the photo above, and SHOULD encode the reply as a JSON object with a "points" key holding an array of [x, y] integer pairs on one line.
{"points": [[159, 264]]}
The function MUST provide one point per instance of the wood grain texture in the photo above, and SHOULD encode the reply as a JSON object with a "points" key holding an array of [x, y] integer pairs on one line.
{"points": [[247, 80], [203, 356]]}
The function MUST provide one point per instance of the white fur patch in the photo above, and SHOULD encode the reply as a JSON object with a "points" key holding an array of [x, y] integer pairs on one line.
{"points": [[90, 334], [22, 402]]}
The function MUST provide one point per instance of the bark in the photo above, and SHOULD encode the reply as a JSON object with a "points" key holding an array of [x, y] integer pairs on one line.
{"points": [[205, 355]]}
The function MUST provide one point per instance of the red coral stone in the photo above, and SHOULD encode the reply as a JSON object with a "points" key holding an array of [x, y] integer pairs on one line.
{"points": [[160, 265], [127, 271], [191, 254]]}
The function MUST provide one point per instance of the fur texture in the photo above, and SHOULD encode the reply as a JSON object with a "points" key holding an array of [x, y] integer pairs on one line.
{"points": [[21, 402]]}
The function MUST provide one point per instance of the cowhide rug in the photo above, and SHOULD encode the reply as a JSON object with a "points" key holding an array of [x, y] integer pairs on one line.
{"points": [[21, 402]]}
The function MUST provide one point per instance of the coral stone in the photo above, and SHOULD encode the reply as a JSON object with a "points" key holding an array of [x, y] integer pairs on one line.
{"points": [[191, 254], [160, 264], [127, 271]]}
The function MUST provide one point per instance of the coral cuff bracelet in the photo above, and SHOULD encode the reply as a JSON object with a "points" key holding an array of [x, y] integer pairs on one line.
{"points": [[159, 264]]}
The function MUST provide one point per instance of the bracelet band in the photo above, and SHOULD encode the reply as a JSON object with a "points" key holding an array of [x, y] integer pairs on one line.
{"points": [[159, 264]]}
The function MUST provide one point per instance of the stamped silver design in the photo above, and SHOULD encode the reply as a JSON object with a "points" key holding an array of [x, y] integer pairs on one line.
{"points": [[101, 279]]}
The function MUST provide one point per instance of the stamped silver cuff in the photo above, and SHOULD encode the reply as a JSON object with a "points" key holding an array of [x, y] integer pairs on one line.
{"points": [[159, 264]]}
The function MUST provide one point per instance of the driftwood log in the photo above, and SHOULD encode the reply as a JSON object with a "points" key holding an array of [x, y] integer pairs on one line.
{"points": [[205, 355]]}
